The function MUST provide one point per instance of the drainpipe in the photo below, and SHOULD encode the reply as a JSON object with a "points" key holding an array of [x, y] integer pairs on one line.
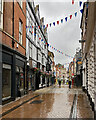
{"points": [[13, 27], [13, 82]]}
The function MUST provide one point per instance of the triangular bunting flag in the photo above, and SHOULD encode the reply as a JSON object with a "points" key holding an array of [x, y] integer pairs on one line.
{"points": [[75, 14], [50, 24], [70, 16], [57, 22], [61, 20], [66, 19], [54, 23], [81, 10], [80, 3], [72, 1], [47, 25], [43, 26]]}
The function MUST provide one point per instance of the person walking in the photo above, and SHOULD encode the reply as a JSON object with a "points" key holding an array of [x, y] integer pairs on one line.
{"points": [[59, 80], [70, 83]]}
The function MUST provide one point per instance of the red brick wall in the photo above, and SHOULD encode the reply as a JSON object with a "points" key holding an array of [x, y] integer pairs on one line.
{"points": [[19, 15], [8, 15], [7, 23]]}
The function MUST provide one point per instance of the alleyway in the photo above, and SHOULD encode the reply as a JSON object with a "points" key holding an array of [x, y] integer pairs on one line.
{"points": [[52, 102]]}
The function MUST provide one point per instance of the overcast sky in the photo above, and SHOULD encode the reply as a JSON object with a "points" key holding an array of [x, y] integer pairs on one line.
{"points": [[64, 37]]}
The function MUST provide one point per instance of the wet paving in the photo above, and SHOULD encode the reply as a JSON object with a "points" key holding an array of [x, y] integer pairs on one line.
{"points": [[52, 102]]}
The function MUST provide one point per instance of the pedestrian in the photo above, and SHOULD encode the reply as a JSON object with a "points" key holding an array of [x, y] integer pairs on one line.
{"points": [[59, 80], [69, 83], [63, 81]]}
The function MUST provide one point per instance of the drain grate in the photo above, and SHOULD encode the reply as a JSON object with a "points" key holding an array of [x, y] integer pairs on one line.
{"points": [[36, 102]]}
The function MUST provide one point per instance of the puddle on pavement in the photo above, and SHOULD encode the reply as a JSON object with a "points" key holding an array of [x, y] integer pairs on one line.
{"points": [[36, 101]]}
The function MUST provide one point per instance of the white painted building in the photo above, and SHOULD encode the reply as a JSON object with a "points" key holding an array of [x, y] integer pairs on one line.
{"points": [[36, 47]]}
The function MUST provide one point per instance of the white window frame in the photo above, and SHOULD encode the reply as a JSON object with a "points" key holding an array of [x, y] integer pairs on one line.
{"points": [[30, 49], [21, 3], [20, 32], [1, 14]]}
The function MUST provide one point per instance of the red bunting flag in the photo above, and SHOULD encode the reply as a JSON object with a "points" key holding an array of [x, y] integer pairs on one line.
{"points": [[47, 25], [72, 1], [52, 47], [57, 22], [39, 38], [70, 16], [32, 32], [32, 26], [46, 43], [39, 27]]}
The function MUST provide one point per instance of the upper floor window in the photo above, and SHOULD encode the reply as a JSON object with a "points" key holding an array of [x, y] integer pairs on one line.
{"points": [[21, 3], [45, 46], [20, 31]]}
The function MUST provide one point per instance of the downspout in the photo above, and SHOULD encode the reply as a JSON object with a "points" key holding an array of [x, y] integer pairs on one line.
{"points": [[13, 27]]}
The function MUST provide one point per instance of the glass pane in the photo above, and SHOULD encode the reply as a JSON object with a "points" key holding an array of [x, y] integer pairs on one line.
{"points": [[21, 39], [21, 81], [6, 83]]}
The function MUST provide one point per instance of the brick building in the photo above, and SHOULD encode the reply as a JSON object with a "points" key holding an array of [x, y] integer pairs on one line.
{"points": [[12, 28]]}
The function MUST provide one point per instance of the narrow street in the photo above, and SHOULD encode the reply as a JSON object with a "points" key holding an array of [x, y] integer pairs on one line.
{"points": [[51, 102]]}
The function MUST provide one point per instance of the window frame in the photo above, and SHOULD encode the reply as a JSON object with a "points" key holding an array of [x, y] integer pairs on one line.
{"points": [[20, 32], [1, 14]]}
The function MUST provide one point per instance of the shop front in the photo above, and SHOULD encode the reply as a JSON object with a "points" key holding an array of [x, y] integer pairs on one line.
{"points": [[13, 74], [30, 79], [20, 85]]}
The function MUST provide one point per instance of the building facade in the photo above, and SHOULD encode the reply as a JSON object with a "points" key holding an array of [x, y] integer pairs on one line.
{"points": [[36, 47], [88, 26], [13, 22]]}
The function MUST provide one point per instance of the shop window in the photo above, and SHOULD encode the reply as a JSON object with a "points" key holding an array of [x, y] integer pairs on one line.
{"points": [[21, 79], [30, 82], [6, 82]]}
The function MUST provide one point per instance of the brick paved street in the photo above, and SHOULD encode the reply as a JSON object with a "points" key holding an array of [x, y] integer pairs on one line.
{"points": [[51, 102]]}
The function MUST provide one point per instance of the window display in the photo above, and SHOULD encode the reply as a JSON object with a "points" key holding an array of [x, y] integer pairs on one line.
{"points": [[6, 83]]}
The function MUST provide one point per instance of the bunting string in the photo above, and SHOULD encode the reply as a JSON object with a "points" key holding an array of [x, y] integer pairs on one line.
{"points": [[54, 23], [42, 40]]}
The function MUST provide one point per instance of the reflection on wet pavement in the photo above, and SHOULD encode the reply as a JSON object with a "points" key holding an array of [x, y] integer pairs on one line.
{"points": [[56, 103], [84, 109]]}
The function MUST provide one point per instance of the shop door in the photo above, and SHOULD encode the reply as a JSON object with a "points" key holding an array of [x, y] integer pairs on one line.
{"points": [[18, 85]]}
